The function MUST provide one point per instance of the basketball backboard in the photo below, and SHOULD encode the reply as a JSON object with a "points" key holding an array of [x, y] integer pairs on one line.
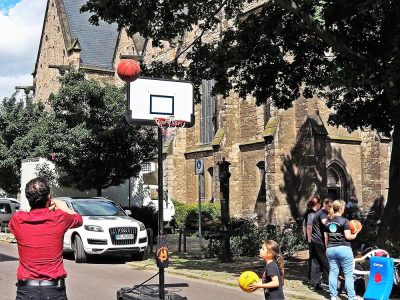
{"points": [[152, 98]]}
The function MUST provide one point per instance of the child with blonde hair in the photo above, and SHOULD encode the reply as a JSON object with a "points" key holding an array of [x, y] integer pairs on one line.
{"points": [[272, 278]]}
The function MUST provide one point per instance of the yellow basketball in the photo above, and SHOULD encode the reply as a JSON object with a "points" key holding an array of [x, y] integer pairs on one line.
{"points": [[246, 279]]}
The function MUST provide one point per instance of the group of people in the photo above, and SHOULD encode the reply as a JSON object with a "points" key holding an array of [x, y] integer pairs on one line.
{"points": [[40, 232], [328, 235]]}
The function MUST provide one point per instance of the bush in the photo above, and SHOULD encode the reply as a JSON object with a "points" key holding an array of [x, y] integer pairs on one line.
{"points": [[247, 238], [187, 214]]}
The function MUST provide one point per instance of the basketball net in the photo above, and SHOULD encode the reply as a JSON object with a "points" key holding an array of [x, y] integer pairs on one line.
{"points": [[169, 126]]}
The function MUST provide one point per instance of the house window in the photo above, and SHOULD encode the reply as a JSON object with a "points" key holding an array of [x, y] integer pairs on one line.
{"points": [[208, 112], [146, 167], [5, 208]]}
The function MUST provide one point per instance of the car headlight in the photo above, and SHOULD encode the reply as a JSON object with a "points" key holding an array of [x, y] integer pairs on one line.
{"points": [[94, 228], [142, 227]]}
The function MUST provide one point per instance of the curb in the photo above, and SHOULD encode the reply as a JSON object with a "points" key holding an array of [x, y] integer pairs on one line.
{"points": [[289, 294]]}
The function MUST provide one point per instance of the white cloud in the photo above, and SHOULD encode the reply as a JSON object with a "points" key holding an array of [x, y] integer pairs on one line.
{"points": [[19, 43]]}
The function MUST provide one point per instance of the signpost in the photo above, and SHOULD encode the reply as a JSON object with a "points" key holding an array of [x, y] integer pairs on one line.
{"points": [[199, 170]]}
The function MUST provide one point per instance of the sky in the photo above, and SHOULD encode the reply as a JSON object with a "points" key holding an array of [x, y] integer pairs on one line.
{"points": [[20, 27]]}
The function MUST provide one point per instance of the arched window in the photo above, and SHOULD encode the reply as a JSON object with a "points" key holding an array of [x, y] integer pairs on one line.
{"points": [[210, 172], [337, 182], [208, 124], [261, 204], [262, 191]]}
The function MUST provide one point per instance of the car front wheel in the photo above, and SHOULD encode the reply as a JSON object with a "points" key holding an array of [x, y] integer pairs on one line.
{"points": [[79, 252]]}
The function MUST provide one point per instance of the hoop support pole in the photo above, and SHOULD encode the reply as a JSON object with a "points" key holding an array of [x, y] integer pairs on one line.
{"points": [[160, 208]]}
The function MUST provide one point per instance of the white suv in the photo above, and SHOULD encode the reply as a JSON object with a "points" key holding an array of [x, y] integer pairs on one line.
{"points": [[106, 229]]}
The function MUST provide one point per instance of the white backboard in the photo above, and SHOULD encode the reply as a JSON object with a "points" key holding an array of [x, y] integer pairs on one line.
{"points": [[160, 98]]}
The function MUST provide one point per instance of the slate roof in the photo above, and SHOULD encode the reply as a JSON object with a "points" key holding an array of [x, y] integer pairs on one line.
{"points": [[98, 43]]}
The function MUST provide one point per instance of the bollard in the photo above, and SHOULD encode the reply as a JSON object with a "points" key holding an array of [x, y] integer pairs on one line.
{"points": [[150, 239], [212, 230], [180, 240], [184, 239]]}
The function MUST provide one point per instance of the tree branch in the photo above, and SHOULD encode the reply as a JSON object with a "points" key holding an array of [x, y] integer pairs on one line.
{"points": [[203, 31], [330, 39]]}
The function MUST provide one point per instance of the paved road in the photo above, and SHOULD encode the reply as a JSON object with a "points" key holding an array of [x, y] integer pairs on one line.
{"points": [[99, 280]]}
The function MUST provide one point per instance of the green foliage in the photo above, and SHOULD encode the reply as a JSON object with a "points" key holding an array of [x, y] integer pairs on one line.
{"points": [[188, 214], [247, 238], [350, 46], [96, 147], [24, 133], [45, 171]]}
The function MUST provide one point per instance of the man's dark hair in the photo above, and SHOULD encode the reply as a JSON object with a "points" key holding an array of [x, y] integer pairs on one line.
{"points": [[37, 192]]}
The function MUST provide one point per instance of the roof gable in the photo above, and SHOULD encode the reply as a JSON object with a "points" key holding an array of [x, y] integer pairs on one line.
{"points": [[98, 43]]}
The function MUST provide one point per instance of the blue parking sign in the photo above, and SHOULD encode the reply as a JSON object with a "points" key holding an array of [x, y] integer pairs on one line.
{"points": [[199, 166]]}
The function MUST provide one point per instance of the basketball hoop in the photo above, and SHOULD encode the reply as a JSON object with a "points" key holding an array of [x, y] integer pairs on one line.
{"points": [[169, 126]]}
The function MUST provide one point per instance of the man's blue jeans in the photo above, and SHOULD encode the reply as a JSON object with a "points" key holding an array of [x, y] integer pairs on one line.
{"points": [[341, 256]]}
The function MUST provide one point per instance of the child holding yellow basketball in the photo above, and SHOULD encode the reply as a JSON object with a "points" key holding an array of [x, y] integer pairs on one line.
{"points": [[272, 279]]}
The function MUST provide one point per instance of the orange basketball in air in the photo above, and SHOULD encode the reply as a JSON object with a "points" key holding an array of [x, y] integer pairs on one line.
{"points": [[128, 70], [355, 226], [246, 279]]}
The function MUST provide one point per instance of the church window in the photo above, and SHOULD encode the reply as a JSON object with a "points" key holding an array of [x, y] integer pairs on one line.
{"points": [[336, 182], [210, 172], [262, 192], [208, 112]]}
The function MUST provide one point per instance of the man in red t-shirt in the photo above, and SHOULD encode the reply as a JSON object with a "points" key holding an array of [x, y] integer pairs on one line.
{"points": [[39, 234]]}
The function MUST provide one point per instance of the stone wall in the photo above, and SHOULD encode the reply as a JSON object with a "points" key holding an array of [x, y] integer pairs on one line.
{"points": [[52, 51]]}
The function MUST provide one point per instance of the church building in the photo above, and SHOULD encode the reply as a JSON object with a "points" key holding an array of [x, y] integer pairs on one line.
{"points": [[271, 161]]}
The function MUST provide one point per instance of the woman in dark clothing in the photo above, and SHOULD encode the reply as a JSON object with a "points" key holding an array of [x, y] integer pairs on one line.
{"points": [[339, 253]]}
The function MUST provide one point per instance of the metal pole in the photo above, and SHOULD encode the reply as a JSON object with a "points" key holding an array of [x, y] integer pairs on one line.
{"points": [[128, 103], [199, 212], [128, 96], [160, 209], [129, 193]]}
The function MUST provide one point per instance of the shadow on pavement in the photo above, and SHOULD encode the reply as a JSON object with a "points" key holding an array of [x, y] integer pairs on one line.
{"points": [[4, 258], [103, 259]]}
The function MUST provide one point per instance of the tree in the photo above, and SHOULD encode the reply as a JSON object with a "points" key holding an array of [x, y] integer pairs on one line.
{"points": [[95, 148], [20, 138], [344, 51]]}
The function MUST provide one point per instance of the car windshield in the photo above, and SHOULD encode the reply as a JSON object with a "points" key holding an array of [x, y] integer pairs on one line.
{"points": [[97, 208]]}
